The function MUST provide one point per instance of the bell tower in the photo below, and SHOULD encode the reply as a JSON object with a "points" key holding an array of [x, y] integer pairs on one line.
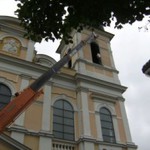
{"points": [[102, 119], [94, 59]]}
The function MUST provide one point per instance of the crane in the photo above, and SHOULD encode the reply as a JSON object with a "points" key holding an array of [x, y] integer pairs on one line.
{"points": [[25, 98]]}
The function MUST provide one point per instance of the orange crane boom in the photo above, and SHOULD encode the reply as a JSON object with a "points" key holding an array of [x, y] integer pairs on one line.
{"points": [[21, 102]]}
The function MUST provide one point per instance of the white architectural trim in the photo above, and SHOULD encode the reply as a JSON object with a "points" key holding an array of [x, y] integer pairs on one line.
{"points": [[45, 143], [85, 114], [30, 50], [80, 66], [108, 147], [78, 40], [106, 105], [68, 99], [88, 146], [115, 74], [98, 127], [12, 142], [9, 84], [116, 128], [125, 122], [23, 43], [64, 97], [18, 136], [111, 108], [46, 108]]}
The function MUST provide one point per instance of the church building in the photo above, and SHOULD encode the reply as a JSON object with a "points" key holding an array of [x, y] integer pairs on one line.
{"points": [[81, 108]]}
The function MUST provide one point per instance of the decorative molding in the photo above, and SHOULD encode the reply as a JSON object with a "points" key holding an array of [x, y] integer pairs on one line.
{"points": [[23, 43], [25, 76], [44, 60], [102, 143], [21, 63], [12, 142], [22, 66], [11, 45], [83, 89], [96, 141], [64, 81], [9, 84], [11, 25], [100, 95], [104, 67], [88, 81], [104, 97], [109, 107], [64, 97], [31, 132]]}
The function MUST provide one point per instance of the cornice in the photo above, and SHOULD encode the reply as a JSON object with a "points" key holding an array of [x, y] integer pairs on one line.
{"points": [[29, 132], [102, 143], [10, 29], [11, 25], [96, 65], [13, 142], [21, 63], [31, 70], [72, 77], [99, 32], [105, 96], [96, 81]]}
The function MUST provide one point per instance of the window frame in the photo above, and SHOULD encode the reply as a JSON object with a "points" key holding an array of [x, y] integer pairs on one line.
{"points": [[95, 51], [107, 127], [62, 131], [8, 95]]}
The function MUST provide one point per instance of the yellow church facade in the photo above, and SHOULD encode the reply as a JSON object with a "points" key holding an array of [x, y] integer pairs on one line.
{"points": [[81, 108]]}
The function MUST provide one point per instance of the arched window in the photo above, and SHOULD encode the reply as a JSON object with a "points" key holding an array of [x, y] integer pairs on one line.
{"points": [[70, 63], [5, 95], [96, 56], [63, 120], [107, 125]]}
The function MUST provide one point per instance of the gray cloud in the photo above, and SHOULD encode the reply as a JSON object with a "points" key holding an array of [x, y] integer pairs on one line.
{"points": [[131, 50]]}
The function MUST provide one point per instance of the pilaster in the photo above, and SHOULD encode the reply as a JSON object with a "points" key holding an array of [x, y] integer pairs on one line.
{"points": [[83, 96], [45, 143], [30, 51], [46, 108], [125, 122], [86, 146], [98, 126]]}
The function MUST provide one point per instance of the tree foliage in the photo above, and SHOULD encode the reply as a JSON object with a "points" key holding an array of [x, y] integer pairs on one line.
{"points": [[54, 19]]}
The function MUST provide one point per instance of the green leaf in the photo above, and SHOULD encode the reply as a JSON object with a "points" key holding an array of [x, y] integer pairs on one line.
{"points": [[45, 19]]}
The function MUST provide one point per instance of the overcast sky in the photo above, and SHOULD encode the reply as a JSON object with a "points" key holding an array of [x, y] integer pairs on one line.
{"points": [[131, 50]]}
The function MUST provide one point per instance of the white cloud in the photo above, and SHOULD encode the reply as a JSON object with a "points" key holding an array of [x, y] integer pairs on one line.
{"points": [[131, 50], [7, 7]]}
